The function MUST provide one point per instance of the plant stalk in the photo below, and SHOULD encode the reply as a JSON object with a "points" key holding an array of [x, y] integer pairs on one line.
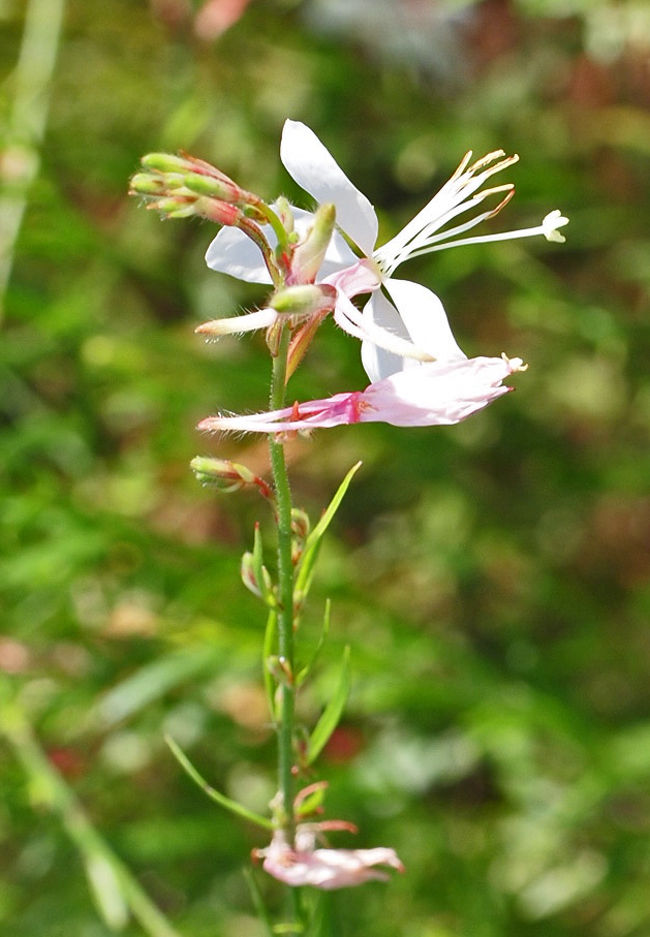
{"points": [[285, 588]]}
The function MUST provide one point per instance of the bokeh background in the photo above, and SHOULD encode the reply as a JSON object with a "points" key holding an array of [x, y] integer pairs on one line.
{"points": [[490, 578]]}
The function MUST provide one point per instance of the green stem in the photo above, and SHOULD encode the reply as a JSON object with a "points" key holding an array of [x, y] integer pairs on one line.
{"points": [[27, 121], [285, 586]]}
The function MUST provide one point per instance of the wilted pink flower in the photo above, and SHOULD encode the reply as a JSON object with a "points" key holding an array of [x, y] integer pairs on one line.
{"points": [[325, 868], [438, 393]]}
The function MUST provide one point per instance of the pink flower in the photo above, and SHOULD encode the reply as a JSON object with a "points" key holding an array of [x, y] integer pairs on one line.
{"points": [[324, 868], [433, 394]]}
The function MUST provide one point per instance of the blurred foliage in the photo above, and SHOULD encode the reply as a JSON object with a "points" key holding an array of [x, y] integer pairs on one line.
{"points": [[491, 578]]}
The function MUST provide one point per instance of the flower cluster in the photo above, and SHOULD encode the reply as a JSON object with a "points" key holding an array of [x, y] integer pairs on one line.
{"points": [[419, 375], [323, 263]]}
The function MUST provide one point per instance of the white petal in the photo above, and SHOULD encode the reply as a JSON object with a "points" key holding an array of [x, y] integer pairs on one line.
{"points": [[234, 253], [424, 318], [377, 362], [317, 172]]}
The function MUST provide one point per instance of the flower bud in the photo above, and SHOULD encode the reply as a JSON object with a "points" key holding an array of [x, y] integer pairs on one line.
{"points": [[143, 183], [300, 530], [308, 256], [227, 476], [300, 524], [284, 213], [305, 299], [257, 579], [220, 212], [166, 162], [173, 206], [221, 188]]}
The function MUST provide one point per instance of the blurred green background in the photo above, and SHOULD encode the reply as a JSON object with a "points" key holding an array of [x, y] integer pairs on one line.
{"points": [[491, 578]]}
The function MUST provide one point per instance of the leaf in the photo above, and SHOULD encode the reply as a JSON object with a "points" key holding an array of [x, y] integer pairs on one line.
{"points": [[312, 543], [302, 674], [332, 713], [269, 640], [213, 794], [152, 681]]}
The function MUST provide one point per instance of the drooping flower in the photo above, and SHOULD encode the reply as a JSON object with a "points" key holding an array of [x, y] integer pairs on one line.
{"points": [[403, 320], [435, 394], [324, 868]]}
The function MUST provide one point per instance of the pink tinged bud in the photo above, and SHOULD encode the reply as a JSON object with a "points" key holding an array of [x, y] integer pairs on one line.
{"points": [[257, 579], [227, 476], [235, 325], [327, 869], [220, 212], [309, 255]]}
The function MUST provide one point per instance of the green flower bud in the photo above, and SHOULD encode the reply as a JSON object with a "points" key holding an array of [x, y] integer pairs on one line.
{"points": [[222, 188], [309, 255], [305, 299], [166, 162], [142, 183]]}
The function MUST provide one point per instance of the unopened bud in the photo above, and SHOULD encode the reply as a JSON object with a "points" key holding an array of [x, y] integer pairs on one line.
{"points": [[300, 529], [143, 183], [257, 582], [166, 162], [309, 255], [284, 213], [221, 188], [300, 523], [173, 206], [220, 212], [305, 299], [227, 476]]}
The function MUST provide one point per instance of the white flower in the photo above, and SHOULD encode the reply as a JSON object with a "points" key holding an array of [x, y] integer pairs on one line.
{"points": [[403, 323]]}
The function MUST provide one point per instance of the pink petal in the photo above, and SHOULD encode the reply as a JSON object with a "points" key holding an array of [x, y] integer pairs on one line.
{"points": [[437, 394], [327, 868]]}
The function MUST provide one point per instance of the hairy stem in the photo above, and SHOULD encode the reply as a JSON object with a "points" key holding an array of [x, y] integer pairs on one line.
{"points": [[285, 586]]}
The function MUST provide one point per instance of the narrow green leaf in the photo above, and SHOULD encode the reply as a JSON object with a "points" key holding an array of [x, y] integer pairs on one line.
{"points": [[152, 681], [302, 674], [312, 543], [213, 794], [268, 650], [332, 713]]}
